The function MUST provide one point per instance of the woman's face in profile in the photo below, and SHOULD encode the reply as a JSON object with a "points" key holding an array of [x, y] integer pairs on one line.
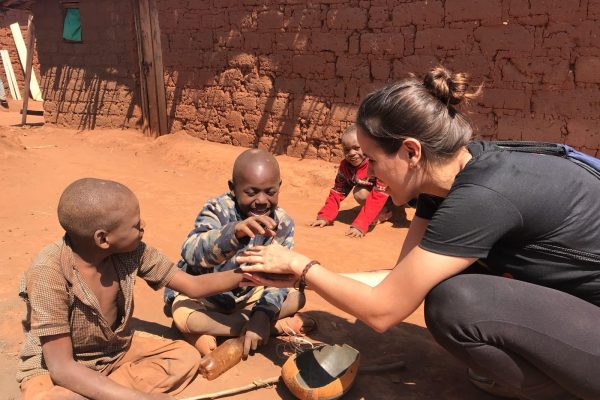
{"points": [[391, 169]]}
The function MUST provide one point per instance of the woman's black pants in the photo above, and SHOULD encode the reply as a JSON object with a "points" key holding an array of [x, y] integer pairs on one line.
{"points": [[543, 343]]}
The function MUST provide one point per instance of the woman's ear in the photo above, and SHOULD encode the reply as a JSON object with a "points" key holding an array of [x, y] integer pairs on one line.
{"points": [[100, 238], [412, 148]]}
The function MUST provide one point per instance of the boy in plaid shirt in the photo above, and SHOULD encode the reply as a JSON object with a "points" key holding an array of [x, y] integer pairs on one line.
{"points": [[79, 342]]}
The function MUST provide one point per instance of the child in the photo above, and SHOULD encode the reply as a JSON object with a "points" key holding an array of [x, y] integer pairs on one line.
{"points": [[368, 192], [228, 224], [79, 297]]}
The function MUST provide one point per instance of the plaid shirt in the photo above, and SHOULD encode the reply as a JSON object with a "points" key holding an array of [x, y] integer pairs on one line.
{"points": [[59, 301], [212, 246]]}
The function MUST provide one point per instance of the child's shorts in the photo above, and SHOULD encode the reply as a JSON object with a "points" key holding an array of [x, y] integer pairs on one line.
{"points": [[183, 306]]}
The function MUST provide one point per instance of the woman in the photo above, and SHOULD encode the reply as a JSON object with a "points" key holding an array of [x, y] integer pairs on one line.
{"points": [[535, 336]]}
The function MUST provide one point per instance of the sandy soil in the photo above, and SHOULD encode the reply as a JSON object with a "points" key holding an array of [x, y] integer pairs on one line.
{"points": [[172, 176]]}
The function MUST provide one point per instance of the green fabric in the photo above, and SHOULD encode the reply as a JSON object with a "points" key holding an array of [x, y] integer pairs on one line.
{"points": [[72, 27]]}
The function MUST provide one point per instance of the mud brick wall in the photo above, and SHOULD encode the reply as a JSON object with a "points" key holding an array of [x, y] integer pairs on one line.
{"points": [[288, 75], [7, 42], [93, 83]]}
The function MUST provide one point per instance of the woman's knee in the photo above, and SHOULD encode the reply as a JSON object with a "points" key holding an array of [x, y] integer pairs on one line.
{"points": [[455, 303]]}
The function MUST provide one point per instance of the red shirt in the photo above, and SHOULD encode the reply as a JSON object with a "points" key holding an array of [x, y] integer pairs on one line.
{"points": [[347, 178]]}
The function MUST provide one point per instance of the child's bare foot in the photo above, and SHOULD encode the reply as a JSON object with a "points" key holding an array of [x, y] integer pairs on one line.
{"points": [[295, 325], [205, 344]]}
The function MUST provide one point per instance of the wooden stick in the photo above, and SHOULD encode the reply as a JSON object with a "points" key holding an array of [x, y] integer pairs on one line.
{"points": [[157, 61], [33, 85], [258, 384], [10, 75], [143, 85], [382, 367], [261, 383], [29, 66]]}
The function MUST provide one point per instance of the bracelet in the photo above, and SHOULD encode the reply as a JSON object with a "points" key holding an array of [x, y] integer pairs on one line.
{"points": [[302, 282]]}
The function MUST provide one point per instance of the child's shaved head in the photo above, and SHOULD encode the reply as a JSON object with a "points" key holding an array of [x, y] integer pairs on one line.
{"points": [[255, 182], [89, 204], [254, 161], [350, 130]]}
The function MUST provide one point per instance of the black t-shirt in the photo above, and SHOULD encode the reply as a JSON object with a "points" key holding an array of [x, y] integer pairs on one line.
{"points": [[503, 202]]}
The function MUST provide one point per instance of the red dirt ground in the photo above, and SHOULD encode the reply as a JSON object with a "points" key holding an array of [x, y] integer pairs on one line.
{"points": [[172, 176]]}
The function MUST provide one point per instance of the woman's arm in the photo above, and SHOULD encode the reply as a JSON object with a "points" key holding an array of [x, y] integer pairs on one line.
{"points": [[417, 229], [382, 306]]}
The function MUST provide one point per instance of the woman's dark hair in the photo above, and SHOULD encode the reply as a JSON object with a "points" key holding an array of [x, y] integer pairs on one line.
{"points": [[424, 110]]}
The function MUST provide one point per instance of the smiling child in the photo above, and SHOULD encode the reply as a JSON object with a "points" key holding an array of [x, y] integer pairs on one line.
{"points": [[353, 177], [246, 216]]}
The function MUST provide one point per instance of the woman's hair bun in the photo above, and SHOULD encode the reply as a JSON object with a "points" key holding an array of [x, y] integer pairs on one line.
{"points": [[449, 88]]}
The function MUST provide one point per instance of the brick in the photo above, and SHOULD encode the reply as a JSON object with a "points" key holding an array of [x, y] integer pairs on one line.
{"points": [[560, 10], [347, 18], [413, 64], [594, 9], [577, 103], [242, 19], [292, 41], [258, 40], [547, 70], [517, 128], [290, 85], [343, 112], [303, 17], [244, 101], [505, 99], [242, 139], [270, 20], [421, 13], [442, 38], [336, 42], [587, 33], [382, 43], [259, 83], [587, 69], [352, 67], [242, 60], [381, 69], [488, 12], [378, 17], [583, 133], [308, 64], [507, 37], [273, 63], [329, 88]]}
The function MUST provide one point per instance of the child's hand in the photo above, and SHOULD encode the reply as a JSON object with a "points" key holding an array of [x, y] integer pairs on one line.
{"points": [[258, 329], [318, 223], [354, 232], [255, 225]]}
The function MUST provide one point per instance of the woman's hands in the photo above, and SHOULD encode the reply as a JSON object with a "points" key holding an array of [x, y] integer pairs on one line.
{"points": [[272, 265]]}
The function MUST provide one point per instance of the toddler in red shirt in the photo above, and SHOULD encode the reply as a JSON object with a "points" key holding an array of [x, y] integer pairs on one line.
{"points": [[352, 177]]}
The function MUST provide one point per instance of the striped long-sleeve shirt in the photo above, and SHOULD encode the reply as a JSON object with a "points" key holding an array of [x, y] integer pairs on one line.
{"points": [[212, 246]]}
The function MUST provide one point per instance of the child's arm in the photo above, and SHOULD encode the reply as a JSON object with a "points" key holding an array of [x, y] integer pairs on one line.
{"points": [[341, 188], [205, 285], [69, 374], [213, 239], [373, 204], [158, 271]]}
